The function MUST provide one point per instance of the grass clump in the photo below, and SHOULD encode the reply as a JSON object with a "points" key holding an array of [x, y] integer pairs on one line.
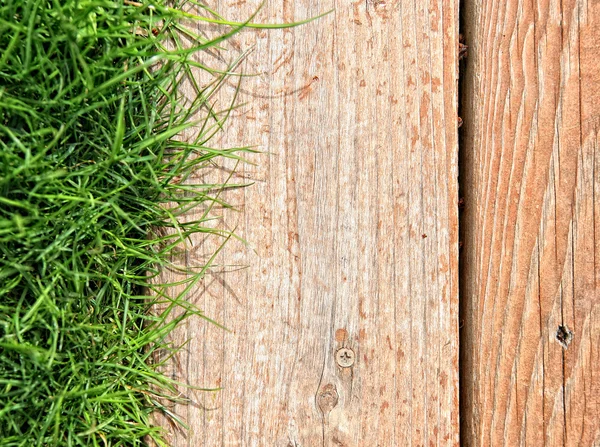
{"points": [[93, 184]]}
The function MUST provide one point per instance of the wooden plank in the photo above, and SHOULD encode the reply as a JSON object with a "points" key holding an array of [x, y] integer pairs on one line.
{"points": [[352, 223], [530, 227]]}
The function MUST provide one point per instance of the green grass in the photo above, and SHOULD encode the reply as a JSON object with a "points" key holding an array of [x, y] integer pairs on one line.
{"points": [[91, 116]]}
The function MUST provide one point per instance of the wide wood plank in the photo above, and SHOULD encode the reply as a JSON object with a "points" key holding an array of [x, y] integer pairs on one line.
{"points": [[530, 227], [344, 325]]}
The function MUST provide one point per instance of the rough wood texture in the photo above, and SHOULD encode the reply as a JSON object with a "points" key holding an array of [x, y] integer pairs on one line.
{"points": [[353, 225], [530, 176]]}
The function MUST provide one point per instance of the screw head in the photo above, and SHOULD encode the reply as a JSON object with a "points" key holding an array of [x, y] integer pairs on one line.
{"points": [[344, 357]]}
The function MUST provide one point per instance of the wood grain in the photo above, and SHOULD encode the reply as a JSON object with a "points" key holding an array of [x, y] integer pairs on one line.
{"points": [[352, 226], [529, 174]]}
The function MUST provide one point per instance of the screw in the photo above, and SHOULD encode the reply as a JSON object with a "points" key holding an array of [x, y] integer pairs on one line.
{"points": [[344, 357]]}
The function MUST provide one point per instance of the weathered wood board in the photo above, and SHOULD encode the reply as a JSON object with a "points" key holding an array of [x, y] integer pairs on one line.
{"points": [[530, 176], [353, 230]]}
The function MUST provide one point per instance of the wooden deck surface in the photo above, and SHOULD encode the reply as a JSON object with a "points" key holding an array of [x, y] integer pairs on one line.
{"points": [[344, 327], [530, 175]]}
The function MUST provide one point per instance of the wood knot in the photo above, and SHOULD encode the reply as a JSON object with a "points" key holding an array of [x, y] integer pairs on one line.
{"points": [[327, 398], [564, 336]]}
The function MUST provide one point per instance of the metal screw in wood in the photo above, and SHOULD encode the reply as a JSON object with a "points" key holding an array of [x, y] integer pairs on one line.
{"points": [[344, 357]]}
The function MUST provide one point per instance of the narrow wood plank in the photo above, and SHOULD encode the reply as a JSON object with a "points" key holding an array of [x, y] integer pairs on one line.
{"points": [[352, 222], [530, 227]]}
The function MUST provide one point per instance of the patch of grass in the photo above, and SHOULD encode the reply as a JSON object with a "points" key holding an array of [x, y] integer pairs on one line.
{"points": [[93, 185]]}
